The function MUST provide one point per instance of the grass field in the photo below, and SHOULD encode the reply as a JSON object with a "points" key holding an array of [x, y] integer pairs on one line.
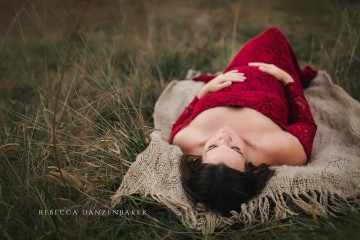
{"points": [[78, 83]]}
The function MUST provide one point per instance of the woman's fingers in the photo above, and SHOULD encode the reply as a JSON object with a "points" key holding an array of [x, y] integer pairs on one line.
{"points": [[237, 77], [265, 67], [274, 71], [225, 80], [232, 77], [231, 71], [223, 85], [260, 64], [270, 70], [255, 64]]}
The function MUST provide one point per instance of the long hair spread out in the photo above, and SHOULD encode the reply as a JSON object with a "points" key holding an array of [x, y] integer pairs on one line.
{"points": [[221, 188]]}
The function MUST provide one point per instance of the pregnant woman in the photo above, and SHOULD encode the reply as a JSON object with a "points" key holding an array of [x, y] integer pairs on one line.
{"points": [[252, 116]]}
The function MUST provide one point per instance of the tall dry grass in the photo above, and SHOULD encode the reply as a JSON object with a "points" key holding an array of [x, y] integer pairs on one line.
{"points": [[78, 84]]}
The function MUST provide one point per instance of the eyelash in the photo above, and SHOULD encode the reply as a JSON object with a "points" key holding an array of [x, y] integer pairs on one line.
{"points": [[235, 148]]}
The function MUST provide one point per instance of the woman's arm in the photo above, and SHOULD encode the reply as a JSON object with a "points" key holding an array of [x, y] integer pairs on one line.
{"points": [[302, 124]]}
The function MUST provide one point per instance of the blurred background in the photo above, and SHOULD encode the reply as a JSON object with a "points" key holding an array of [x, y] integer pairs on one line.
{"points": [[78, 83]]}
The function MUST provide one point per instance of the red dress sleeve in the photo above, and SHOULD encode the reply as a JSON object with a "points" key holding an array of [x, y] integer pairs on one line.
{"points": [[301, 121], [181, 121]]}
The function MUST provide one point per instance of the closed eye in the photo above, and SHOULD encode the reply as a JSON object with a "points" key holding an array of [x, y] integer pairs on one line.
{"points": [[211, 147], [237, 150]]}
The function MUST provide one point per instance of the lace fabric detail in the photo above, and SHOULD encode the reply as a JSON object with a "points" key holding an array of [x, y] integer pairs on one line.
{"points": [[302, 124]]}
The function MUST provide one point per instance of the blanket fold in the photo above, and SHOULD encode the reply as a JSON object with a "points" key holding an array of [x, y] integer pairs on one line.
{"points": [[328, 185]]}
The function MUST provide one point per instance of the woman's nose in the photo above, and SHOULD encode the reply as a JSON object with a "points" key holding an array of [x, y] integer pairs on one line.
{"points": [[225, 138]]}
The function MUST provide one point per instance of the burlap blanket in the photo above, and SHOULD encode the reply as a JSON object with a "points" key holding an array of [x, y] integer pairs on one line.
{"points": [[328, 185]]}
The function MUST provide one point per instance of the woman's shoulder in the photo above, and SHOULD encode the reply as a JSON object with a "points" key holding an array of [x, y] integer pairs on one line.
{"points": [[284, 148], [190, 140]]}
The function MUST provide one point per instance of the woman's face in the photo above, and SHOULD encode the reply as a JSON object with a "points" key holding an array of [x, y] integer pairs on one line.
{"points": [[226, 147]]}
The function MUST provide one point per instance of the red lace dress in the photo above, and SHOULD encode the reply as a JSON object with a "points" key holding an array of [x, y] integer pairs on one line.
{"points": [[286, 106]]}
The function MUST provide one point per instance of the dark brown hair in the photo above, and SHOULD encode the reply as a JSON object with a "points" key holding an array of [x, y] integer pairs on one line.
{"points": [[219, 187]]}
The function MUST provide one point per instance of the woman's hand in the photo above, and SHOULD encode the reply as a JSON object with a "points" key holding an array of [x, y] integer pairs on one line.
{"points": [[221, 81], [274, 71]]}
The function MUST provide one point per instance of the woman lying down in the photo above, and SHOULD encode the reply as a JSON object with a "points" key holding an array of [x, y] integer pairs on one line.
{"points": [[252, 116]]}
